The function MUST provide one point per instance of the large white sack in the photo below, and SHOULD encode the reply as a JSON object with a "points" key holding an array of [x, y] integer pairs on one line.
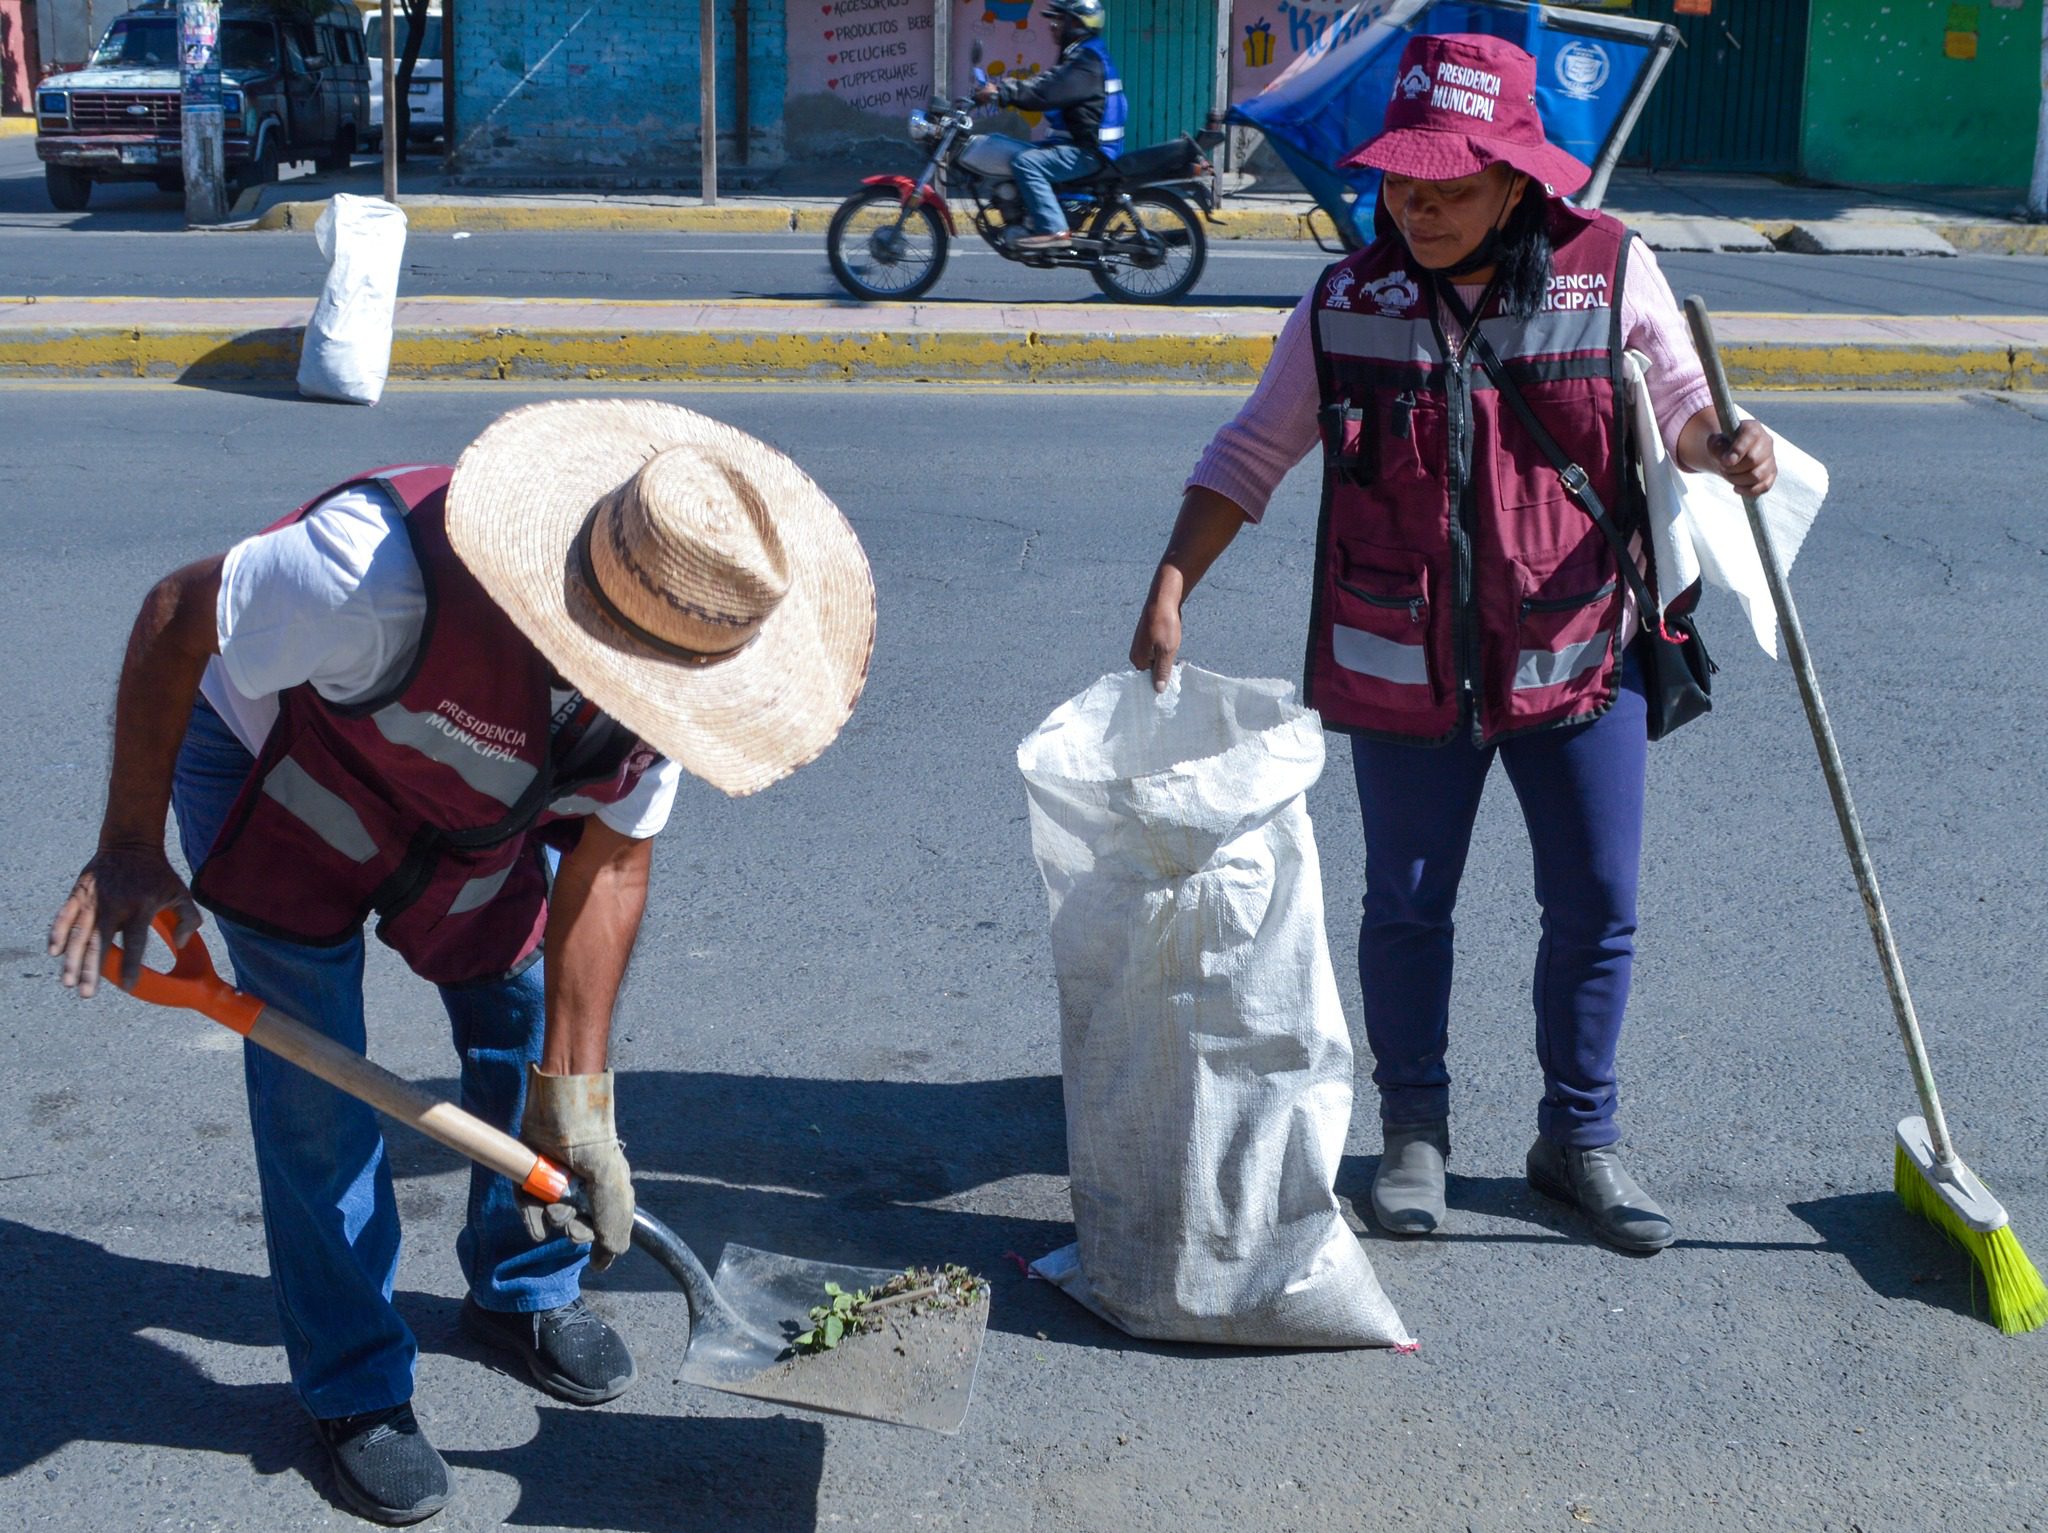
{"points": [[347, 351], [1206, 1061]]}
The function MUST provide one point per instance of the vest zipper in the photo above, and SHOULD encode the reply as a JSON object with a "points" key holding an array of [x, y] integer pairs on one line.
{"points": [[1464, 623]]}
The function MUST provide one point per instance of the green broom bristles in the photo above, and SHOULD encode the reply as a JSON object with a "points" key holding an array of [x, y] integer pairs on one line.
{"points": [[2018, 1298]]}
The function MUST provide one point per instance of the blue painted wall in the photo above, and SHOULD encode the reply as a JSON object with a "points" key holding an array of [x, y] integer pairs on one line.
{"points": [[618, 92]]}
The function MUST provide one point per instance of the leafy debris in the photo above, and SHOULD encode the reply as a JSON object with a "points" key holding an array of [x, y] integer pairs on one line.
{"points": [[913, 1291]]}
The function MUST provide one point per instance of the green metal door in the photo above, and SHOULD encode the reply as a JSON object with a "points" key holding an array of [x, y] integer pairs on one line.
{"points": [[1729, 99], [1166, 52]]}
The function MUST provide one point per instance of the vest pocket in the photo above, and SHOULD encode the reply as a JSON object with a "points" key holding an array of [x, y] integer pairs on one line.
{"points": [[1379, 633], [1565, 626]]}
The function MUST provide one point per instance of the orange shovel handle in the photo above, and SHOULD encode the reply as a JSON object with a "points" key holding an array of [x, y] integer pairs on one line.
{"points": [[189, 983], [192, 985]]}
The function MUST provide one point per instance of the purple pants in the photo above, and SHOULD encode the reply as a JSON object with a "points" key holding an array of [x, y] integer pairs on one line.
{"points": [[1581, 790]]}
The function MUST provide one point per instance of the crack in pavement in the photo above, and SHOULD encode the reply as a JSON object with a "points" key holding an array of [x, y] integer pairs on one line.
{"points": [[1948, 568]]}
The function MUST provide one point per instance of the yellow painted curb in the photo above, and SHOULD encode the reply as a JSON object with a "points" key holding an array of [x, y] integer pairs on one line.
{"points": [[738, 218], [488, 217], [1996, 239], [535, 353], [17, 127]]}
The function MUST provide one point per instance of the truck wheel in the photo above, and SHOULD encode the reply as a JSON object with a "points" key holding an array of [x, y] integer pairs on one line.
{"points": [[70, 190], [263, 167], [341, 156], [171, 185]]}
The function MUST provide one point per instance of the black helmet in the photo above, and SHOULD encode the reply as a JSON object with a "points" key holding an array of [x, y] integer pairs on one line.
{"points": [[1080, 15]]}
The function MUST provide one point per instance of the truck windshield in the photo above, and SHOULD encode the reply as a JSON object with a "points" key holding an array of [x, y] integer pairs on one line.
{"points": [[151, 42], [373, 38]]}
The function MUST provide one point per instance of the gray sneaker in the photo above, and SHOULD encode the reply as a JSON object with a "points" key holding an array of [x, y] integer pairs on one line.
{"points": [[1594, 1182], [1408, 1188]]}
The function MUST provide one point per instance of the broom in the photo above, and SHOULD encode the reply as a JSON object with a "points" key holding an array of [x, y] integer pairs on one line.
{"points": [[1930, 1178]]}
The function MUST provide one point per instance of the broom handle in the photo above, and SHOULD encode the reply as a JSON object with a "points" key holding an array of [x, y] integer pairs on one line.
{"points": [[1831, 764]]}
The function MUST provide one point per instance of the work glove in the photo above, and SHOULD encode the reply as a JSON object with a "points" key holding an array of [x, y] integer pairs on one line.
{"points": [[569, 1120]]}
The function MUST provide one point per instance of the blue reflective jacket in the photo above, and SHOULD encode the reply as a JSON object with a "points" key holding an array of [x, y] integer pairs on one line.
{"points": [[1108, 136]]}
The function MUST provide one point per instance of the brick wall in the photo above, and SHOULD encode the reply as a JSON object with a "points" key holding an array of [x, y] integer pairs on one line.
{"points": [[618, 96]]}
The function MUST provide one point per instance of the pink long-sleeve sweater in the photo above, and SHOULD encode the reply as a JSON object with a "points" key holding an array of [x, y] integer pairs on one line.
{"points": [[1275, 430]]}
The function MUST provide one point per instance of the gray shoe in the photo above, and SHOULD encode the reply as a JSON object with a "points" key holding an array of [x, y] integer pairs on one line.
{"points": [[1594, 1182], [1408, 1189]]}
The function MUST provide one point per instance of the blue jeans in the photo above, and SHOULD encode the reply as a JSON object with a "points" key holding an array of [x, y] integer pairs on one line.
{"points": [[1038, 171], [1581, 791], [329, 1216]]}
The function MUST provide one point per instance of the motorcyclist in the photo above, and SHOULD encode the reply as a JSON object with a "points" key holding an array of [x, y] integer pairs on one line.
{"points": [[1082, 98]]}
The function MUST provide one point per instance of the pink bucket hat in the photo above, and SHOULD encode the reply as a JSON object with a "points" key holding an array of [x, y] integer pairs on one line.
{"points": [[1463, 101]]}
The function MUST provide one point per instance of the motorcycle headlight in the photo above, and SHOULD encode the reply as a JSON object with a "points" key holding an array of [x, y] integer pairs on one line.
{"points": [[922, 129]]}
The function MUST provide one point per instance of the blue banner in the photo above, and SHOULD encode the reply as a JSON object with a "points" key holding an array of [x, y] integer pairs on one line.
{"points": [[1334, 97]]}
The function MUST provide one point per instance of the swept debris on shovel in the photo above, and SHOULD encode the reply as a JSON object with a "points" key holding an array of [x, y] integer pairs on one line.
{"points": [[902, 1350]]}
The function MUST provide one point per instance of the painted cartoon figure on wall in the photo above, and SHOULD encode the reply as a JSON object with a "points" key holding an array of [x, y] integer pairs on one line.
{"points": [[1009, 46], [1016, 12]]}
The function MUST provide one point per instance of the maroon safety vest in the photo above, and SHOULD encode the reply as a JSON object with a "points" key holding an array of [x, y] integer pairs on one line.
{"points": [[1456, 581], [429, 803]]}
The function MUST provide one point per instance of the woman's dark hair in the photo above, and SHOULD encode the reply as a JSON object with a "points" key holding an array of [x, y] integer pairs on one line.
{"points": [[1522, 254]]}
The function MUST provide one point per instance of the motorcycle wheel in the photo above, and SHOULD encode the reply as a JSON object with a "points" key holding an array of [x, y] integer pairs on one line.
{"points": [[880, 251], [1156, 256]]}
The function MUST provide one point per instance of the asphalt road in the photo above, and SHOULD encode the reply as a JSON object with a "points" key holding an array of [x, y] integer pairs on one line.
{"points": [[840, 1038], [133, 242]]}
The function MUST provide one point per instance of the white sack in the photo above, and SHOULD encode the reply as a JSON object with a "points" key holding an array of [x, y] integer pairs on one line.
{"points": [[1203, 1048], [1698, 526], [348, 340]]}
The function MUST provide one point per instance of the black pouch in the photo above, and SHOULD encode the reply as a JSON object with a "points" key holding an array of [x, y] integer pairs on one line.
{"points": [[1348, 446], [1678, 673]]}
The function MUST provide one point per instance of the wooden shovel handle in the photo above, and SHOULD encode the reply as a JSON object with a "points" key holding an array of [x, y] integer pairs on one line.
{"points": [[192, 984]]}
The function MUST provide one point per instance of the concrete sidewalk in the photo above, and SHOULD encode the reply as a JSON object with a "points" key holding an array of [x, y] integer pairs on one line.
{"points": [[236, 340], [1672, 211]]}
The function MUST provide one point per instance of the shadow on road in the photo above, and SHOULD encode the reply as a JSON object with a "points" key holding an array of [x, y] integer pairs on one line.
{"points": [[80, 1368], [1898, 1254], [652, 1474]]}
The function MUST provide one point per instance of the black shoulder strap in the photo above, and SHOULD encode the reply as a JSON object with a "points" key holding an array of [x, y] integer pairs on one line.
{"points": [[1576, 482]]}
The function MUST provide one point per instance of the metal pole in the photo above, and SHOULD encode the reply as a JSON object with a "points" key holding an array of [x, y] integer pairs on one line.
{"points": [[707, 94], [448, 81], [390, 104], [942, 50], [2037, 190], [203, 126], [1220, 96]]}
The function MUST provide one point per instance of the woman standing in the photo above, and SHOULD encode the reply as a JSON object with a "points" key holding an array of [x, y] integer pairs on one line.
{"points": [[1466, 605]]}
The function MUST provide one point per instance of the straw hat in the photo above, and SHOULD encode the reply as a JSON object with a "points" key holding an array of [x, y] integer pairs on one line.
{"points": [[690, 580]]}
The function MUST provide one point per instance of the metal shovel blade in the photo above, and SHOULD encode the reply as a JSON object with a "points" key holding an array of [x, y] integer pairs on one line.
{"points": [[916, 1370]]}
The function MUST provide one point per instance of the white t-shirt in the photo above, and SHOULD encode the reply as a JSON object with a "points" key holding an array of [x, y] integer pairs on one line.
{"points": [[336, 599]]}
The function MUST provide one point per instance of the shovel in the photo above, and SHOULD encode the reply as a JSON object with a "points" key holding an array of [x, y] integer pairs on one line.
{"points": [[915, 1368]]}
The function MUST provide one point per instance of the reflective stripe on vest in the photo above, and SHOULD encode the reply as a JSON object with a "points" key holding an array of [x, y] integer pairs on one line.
{"points": [[1413, 341], [485, 767], [1404, 665], [1538, 668], [479, 892], [320, 810]]}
